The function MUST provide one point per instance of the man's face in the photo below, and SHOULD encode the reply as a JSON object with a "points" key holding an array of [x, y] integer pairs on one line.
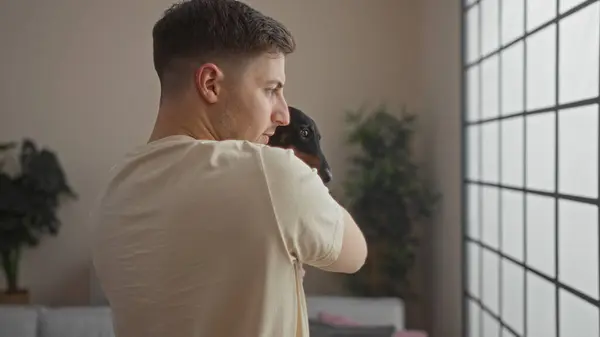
{"points": [[252, 103]]}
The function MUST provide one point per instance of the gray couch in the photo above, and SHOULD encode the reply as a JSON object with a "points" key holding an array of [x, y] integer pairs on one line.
{"points": [[96, 321], [37, 321]]}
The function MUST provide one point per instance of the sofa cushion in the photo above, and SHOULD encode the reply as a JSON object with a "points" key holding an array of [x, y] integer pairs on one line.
{"points": [[333, 319], [336, 320], [18, 321], [320, 329], [362, 310], [76, 322]]}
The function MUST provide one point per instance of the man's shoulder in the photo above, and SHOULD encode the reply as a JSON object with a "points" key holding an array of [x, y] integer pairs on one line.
{"points": [[227, 157], [285, 172], [179, 149], [283, 161], [177, 158]]}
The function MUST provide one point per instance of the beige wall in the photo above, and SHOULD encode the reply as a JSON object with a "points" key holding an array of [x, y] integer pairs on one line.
{"points": [[77, 77], [440, 87]]}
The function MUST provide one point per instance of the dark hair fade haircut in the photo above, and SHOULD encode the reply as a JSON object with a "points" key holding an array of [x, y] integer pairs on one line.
{"points": [[193, 32]]}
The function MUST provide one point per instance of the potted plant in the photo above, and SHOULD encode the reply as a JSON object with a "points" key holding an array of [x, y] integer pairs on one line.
{"points": [[386, 193], [29, 199]]}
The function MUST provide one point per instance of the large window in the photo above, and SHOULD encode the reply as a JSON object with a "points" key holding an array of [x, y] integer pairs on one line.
{"points": [[531, 156]]}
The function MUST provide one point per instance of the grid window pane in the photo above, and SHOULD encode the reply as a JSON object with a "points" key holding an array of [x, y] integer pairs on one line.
{"points": [[490, 152], [578, 246], [474, 141], [541, 234], [579, 55], [489, 87], [541, 140], [532, 113], [491, 289], [577, 317], [578, 151], [513, 295], [565, 5], [491, 327], [512, 79], [474, 319], [512, 224], [473, 93], [472, 32], [489, 26], [541, 68], [540, 12], [474, 251], [513, 23], [474, 207], [490, 198], [541, 307], [506, 333], [513, 147]]}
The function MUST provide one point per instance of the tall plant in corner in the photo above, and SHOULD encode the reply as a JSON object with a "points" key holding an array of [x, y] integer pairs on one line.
{"points": [[29, 199], [388, 197]]}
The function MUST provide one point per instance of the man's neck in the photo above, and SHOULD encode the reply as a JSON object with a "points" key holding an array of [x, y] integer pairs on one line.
{"points": [[173, 121]]}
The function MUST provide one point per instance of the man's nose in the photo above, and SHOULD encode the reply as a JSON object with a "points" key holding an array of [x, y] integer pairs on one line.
{"points": [[281, 118], [281, 114]]}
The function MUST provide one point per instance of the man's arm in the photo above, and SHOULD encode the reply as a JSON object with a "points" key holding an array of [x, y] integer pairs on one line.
{"points": [[317, 230], [354, 248]]}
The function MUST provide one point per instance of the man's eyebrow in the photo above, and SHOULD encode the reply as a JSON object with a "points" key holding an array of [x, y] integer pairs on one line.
{"points": [[278, 83]]}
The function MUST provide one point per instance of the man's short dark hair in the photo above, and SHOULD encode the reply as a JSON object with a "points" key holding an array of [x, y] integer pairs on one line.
{"points": [[196, 31]]}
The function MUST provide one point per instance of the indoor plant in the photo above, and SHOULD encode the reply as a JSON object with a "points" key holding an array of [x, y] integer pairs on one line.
{"points": [[29, 199], [387, 195]]}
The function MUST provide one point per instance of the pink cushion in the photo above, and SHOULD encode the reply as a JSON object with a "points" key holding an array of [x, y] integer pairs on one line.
{"points": [[410, 333], [332, 319]]}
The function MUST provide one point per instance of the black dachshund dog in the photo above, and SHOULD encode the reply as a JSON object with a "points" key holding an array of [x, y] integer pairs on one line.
{"points": [[303, 136]]}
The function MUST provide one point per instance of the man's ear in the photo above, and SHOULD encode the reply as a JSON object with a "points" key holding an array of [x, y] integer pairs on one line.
{"points": [[209, 82]]}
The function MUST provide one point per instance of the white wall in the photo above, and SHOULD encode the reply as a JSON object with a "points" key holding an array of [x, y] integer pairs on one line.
{"points": [[77, 77]]}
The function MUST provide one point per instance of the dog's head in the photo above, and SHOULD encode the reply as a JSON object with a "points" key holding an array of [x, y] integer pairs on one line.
{"points": [[302, 136]]}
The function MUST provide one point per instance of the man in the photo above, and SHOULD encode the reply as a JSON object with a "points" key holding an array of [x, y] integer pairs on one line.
{"points": [[202, 232]]}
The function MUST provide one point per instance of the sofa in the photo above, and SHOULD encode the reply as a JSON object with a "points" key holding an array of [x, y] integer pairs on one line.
{"points": [[96, 321]]}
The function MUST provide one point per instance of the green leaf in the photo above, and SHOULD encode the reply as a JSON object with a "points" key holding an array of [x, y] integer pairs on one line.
{"points": [[387, 195], [29, 200]]}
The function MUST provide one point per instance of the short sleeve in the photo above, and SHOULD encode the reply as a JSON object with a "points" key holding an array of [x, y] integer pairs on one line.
{"points": [[309, 218]]}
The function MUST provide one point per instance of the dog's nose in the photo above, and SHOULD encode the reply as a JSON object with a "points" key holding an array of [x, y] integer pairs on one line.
{"points": [[327, 175]]}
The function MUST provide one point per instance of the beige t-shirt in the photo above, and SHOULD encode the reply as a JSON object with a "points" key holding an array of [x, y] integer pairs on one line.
{"points": [[206, 239]]}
